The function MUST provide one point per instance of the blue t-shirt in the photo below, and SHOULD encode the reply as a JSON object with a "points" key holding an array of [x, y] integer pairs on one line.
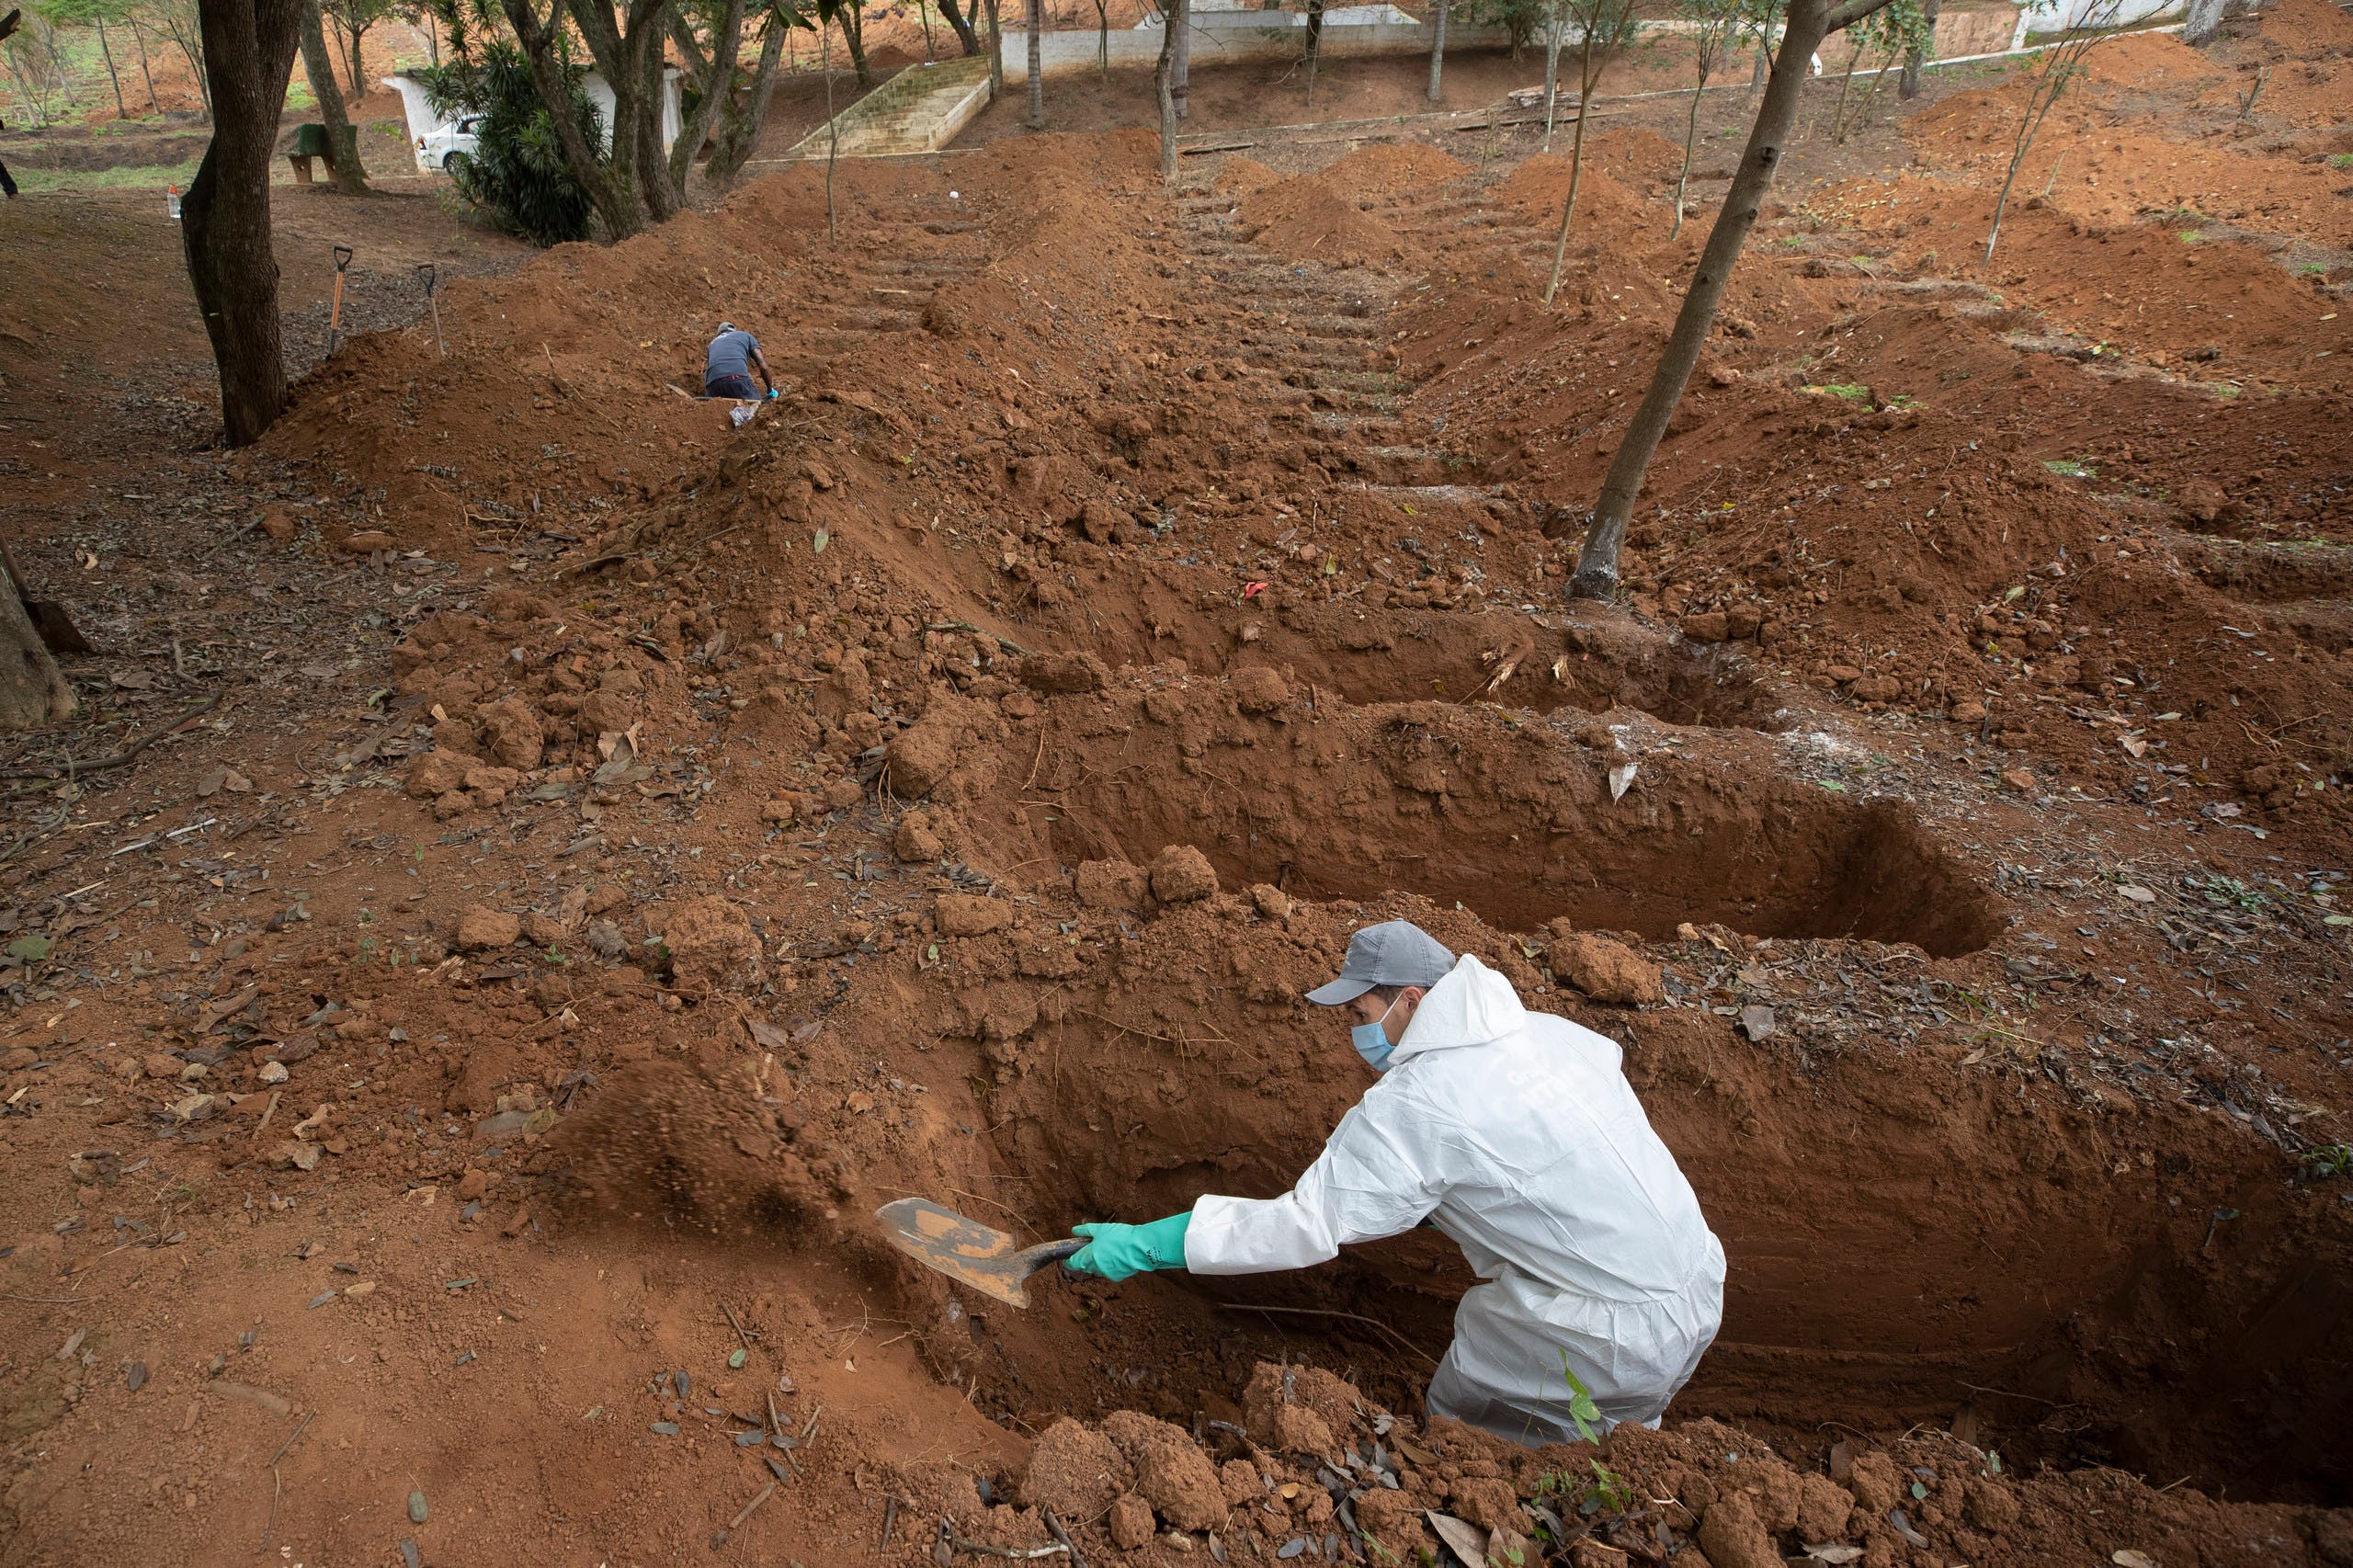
{"points": [[731, 354]]}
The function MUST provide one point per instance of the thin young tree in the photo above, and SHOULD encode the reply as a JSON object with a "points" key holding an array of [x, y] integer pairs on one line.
{"points": [[1909, 86], [1556, 34], [181, 24], [318, 65], [1603, 26], [832, 125], [94, 14], [1180, 84], [224, 218], [2060, 64], [1902, 29], [1103, 39], [1717, 27], [996, 53], [1036, 66], [131, 20], [1808, 22], [1437, 47], [852, 20], [1890, 31], [1315, 45], [1174, 16]]}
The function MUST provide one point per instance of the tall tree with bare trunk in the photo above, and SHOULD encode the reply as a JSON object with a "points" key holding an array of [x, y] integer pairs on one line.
{"points": [[319, 66], [1808, 22], [224, 218]]}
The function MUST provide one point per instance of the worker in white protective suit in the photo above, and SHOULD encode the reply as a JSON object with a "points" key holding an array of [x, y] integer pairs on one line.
{"points": [[1517, 1134]]}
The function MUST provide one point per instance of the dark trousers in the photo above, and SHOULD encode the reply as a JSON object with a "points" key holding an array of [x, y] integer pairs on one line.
{"points": [[730, 386]]}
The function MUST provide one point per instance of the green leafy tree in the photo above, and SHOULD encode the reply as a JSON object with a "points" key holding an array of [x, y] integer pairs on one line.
{"points": [[350, 20], [517, 172]]}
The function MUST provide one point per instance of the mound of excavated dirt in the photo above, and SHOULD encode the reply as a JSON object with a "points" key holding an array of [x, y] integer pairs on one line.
{"points": [[1384, 167], [1608, 212], [2307, 27], [1307, 218], [1241, 175], [2158, 62], [1639, 158]]}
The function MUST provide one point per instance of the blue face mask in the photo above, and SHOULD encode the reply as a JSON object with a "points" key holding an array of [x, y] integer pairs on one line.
{"points": [[1373, 1041]]}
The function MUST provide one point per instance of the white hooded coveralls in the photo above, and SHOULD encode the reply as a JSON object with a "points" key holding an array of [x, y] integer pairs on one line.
{"points": [[1517, 1134]]}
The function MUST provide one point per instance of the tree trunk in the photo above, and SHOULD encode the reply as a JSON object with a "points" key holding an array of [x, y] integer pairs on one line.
{"points": [[1314, 44], [718, 77], [1037, 65], [1596, 573], [923, 14], [1181, 85], [1163, 78], [33, 690], [2203, 22], [319, 66], [959, 21], [833, 131], [854, 40], [739, 130], [153, 105], [1555, 34], [192, 48], [358, 61], [1761, 69], [1909, 86], [1576, 151], [1103, 39], [120, 112], [606, 185], [1437, 49], [1691, 138], [224, 218]]}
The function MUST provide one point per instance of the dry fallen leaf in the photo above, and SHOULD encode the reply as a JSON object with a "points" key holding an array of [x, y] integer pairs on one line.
{"points": [[2137, 894], [2128, 1558]]}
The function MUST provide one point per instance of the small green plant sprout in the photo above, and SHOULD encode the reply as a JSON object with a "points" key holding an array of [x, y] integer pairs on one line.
{"points": [[2328, 1160], [1584, 1413], [1853, 391], [2340, 160], [2068, 468]]}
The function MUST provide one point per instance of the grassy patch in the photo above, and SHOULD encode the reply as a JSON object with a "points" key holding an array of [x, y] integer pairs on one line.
{"points": [[2068, 468], [1851, 391], [129, 176], [2340, 160]]}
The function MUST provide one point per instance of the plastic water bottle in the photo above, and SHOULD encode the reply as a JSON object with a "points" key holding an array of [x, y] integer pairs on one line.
{"points": [[172, 201]]}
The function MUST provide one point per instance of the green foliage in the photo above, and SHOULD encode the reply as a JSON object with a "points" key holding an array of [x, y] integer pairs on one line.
{"points": [[2067, 467], [1524, 18], [2328, 1160], [2340, 160], [516, 172]]}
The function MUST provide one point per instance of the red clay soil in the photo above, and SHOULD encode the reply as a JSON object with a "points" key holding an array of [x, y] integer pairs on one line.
{"points": [[628, 848]]}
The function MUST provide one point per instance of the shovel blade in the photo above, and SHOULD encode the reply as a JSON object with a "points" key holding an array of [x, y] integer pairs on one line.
{"points": [[966, 1251]]}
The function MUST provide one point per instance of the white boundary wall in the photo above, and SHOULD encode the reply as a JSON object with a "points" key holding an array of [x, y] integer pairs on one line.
{"points": [[1226, 37]]}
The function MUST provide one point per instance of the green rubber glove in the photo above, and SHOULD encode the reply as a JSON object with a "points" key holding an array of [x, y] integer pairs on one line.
{"points": [[1115, 1252]]}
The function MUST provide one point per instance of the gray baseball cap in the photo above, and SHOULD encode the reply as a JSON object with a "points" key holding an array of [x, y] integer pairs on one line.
{"points": [[1395, 952]]}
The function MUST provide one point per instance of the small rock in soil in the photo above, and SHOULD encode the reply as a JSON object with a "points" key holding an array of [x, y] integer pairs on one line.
{"points": [[417, 1507]]}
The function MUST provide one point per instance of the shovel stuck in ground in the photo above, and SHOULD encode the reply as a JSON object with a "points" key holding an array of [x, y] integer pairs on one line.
{"points": [[966, 1252]]}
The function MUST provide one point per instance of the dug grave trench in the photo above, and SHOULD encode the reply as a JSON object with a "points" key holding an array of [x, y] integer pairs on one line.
{"points": [[1518, 822]]}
